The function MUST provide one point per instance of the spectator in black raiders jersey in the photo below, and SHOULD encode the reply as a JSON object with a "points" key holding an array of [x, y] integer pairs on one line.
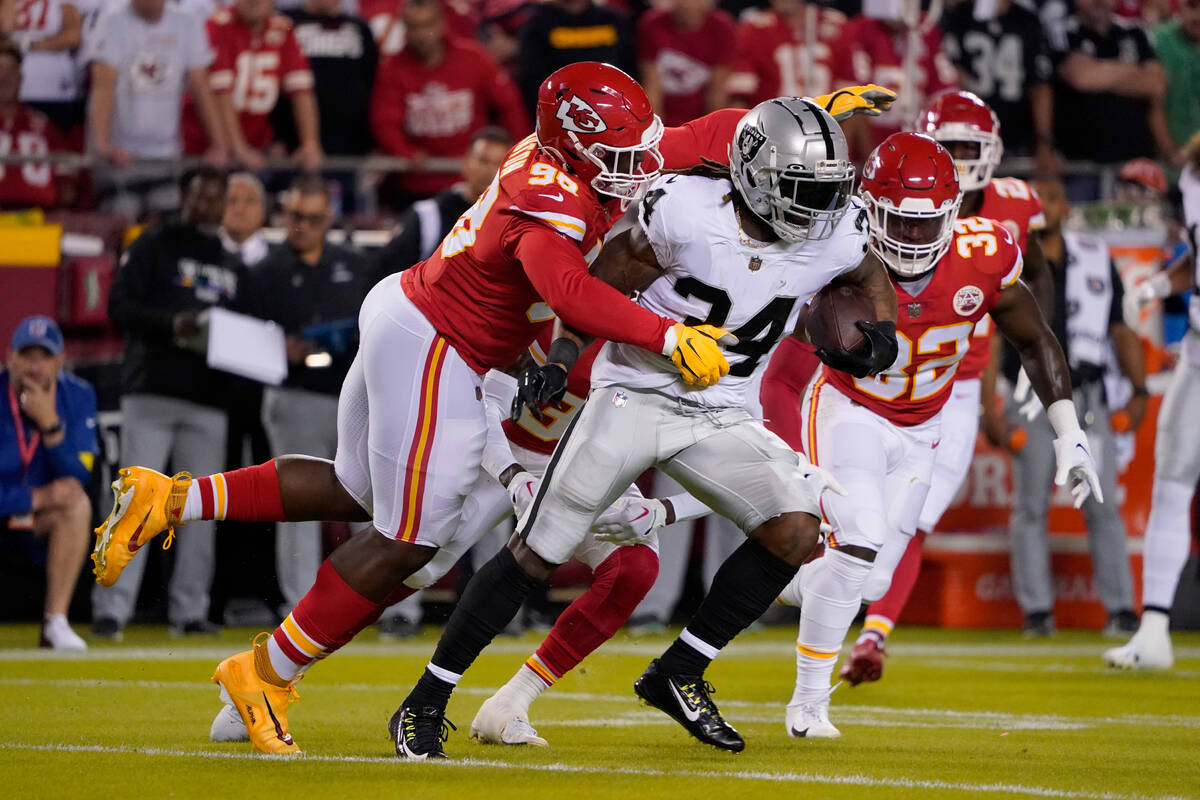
{"points": [[427, 222], [343, 56], [1110, 89], [1003, 56]]}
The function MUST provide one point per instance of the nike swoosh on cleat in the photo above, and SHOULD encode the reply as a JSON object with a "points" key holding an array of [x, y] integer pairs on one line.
{"points": [[134, 545], [692, 714], [286, 738], [800, 734]]}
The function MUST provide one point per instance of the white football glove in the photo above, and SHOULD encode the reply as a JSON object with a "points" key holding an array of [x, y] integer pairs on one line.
{"points": [[1074, 459], [819, 478], [630, 520], [521, 491], [1029, 405]]}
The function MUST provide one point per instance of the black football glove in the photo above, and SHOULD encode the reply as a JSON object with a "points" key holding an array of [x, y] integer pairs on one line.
{"points": [[537, 388], [872, 357]]}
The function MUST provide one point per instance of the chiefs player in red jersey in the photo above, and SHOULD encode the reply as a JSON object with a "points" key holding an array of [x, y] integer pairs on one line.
{"points": [[879, 435], [779, 55], [409, 449], [256, 57], [970, 131]]}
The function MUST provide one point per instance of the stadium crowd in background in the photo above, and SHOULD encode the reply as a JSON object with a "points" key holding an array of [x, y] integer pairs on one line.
{"points": [[136, 84]]}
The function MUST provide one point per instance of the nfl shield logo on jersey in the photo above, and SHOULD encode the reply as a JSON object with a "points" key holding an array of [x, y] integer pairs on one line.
{"points": [[755, 263], [914, 310], [620, 399], [967, 300], [579, 117]]}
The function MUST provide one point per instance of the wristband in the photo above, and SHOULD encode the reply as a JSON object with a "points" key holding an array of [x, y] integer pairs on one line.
{"points": [[563, 351], [1062, 417]]}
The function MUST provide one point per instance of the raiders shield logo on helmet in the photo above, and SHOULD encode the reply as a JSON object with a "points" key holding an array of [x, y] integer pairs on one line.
{"points": [[579, 117], [750, 142]]}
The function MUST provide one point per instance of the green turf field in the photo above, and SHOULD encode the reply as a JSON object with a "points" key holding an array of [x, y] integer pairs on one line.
{"points": [[957, 714]]}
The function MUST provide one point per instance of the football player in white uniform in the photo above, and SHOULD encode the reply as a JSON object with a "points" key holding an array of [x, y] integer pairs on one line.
{"points": [[742, 249], [1176, 453]]}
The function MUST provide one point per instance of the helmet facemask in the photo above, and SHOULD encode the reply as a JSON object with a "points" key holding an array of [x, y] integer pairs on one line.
{"points": [[624, 172], [912, 238], [799, 204], [974, 170]]}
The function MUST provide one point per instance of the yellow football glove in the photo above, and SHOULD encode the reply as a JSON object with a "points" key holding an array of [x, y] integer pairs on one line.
{"points": [[696, 353], [870, 99]]}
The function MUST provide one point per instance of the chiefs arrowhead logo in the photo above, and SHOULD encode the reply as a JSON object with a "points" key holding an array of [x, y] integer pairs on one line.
{"points": [[579, 117]]}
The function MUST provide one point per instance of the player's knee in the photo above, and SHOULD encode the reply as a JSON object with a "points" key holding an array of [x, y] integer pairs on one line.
{"points": [[632, 571], [790, 536], [877, 584], [533, 564]]}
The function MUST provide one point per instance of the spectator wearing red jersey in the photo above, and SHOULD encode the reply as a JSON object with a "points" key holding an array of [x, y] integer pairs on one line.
{"points": [[788, 49], [385, 18], [874, 52], [433, 95], [257, 57], [25, 131], [684, 58]]}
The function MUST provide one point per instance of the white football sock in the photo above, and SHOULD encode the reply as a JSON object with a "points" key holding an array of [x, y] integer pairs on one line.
{"points": [[523, 688], [1155, 623], [831, 601], [193, 505], [1166, 544]]}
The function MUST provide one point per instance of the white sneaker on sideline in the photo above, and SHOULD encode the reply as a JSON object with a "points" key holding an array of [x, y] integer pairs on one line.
{"points": [[227, 726], [502, 722], [811, 720], [57, 635]]}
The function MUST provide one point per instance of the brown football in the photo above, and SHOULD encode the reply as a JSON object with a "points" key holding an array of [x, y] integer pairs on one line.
{"points": [[832, 315]]}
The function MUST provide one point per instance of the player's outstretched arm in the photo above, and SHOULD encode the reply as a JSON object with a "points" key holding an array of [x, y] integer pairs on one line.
{"points": [[1018, 317]]}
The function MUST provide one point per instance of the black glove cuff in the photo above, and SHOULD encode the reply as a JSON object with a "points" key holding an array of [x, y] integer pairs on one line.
{"points": [[886, 326], [563, 351]]}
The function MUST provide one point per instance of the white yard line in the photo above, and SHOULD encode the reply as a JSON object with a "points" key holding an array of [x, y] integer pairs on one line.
{"points": [[476, 763], [880, 716], [781, 649]]}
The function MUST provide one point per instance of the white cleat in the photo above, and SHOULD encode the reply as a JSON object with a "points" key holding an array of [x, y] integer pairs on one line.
{"points": [[57, 635], [501, 722], [811, 720], [1143, 651], [227, 725]]}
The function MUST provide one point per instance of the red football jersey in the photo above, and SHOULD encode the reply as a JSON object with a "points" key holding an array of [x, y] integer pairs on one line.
{"points": [[1015, 203], [874, 53], [387, 26], [27, 133], [685, 60], [935, 325], [436, 110], [520, 251], [254, 67], [541, 435], [773, 56]]}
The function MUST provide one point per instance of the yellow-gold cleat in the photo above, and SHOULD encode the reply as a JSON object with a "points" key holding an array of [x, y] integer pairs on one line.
{"points": [[145, 503], [261, 703]]}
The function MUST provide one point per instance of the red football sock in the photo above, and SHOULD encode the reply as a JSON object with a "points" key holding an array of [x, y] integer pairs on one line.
{"points": [[883, 613], [619, 584], [326, 618], [250, 494]]}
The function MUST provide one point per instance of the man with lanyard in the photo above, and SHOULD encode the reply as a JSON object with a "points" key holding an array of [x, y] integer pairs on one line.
{"points": [[47, 448]]}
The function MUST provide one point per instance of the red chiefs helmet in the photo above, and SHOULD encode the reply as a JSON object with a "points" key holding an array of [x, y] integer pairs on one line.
{"points": [[598, 122], [910, 187], [954, 117]]}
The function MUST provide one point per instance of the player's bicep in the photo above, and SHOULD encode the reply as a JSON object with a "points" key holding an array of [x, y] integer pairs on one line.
{"points": [[628, 262], [1018, 317]]}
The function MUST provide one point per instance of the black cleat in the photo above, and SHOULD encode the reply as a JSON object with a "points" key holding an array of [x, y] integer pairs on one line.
{"points": [[418, 732], [686, 699]]}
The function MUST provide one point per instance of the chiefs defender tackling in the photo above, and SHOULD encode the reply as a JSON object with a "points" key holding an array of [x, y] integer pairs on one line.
{"points": [[879, 435]]}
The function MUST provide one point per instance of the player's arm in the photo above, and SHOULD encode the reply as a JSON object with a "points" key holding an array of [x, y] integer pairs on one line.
{"points": [[1018, 317], [1036, 274], [1176, 278], [881, 348], [628, 264]]}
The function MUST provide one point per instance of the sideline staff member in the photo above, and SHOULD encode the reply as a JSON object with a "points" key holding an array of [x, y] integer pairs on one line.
{"points": [[47, 448]]}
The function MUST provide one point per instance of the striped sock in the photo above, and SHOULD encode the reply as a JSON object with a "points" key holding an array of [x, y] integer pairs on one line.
{"points": [[325, 619], [538, 668], [250, 494], [877, 627]]}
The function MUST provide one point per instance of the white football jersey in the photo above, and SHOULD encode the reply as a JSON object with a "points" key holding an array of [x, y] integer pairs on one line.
{"points": [[45, 76], [1189, 187], [715, 275]]}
